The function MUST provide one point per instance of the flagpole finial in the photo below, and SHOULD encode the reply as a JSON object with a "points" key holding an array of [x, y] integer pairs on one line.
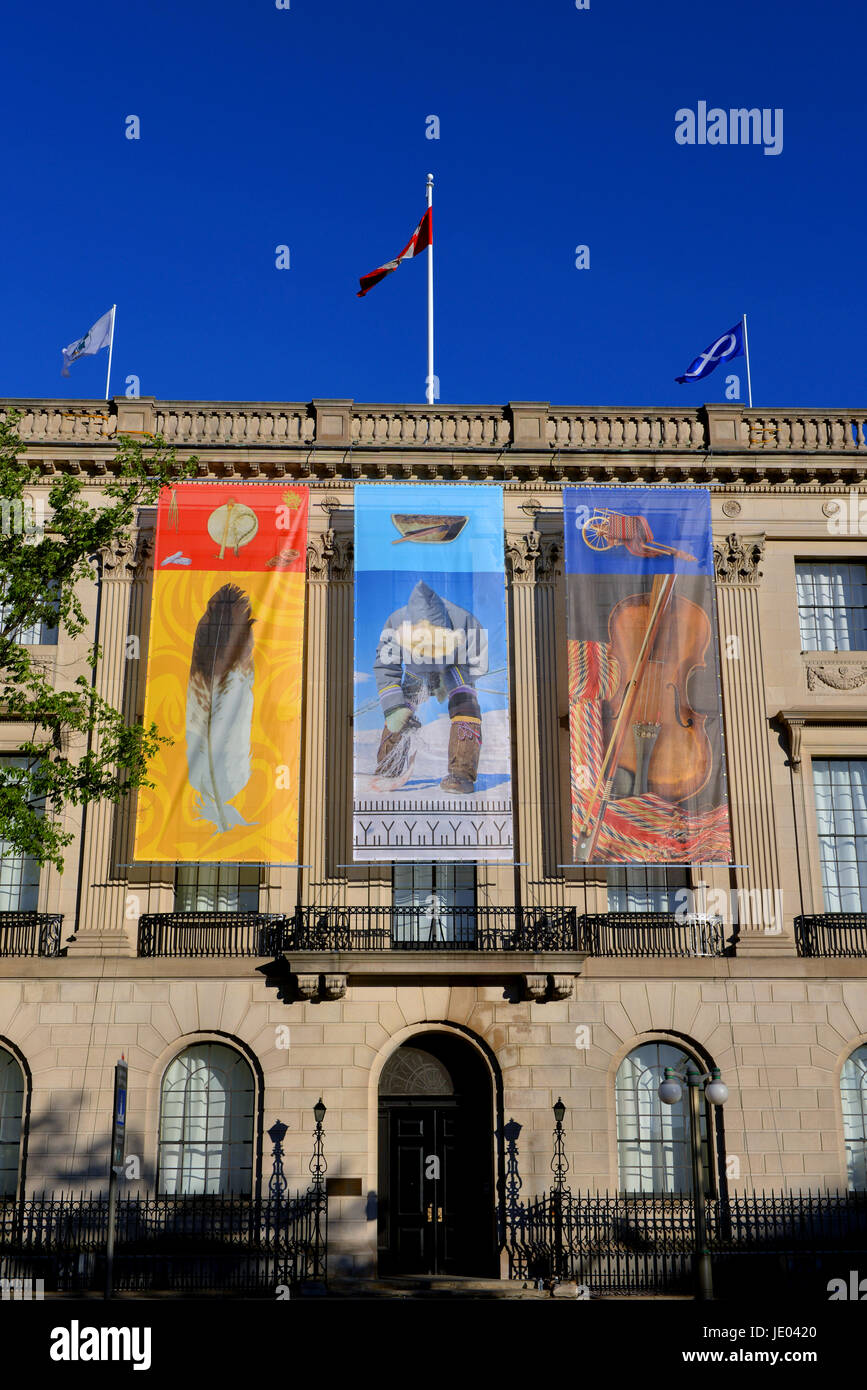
{"points": [[430, 178]]}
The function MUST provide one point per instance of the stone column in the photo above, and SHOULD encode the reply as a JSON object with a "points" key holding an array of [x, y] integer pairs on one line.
{"points": [[320, 548], [533, 698], [326, 793], [338, 752], [751, 798], [102, 929]]}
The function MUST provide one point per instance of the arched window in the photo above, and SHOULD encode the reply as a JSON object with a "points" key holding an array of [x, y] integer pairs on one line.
{"points": [[206, 1123], [11, 1120], [653, 1140], [853, 1091]]}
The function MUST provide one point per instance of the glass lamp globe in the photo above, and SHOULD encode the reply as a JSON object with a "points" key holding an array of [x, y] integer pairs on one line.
{"points": [[716, 1090], [670, 1090]]}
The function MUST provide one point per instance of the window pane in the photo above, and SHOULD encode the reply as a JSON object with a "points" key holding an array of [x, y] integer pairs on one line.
{"points": [[840, 786], [646, 889], [217, 888], [19, 873], [206, 1123], [434, 902], [832, 605], [11, 1116], [34, 633], [652, 1138], [853, 1091]]}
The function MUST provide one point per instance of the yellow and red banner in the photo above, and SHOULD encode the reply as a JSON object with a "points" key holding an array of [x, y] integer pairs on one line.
{"points": [[224, 675]]}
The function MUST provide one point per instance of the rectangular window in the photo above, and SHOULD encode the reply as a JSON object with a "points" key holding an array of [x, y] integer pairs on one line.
{"points": [[841, 818], [36, 634], [19, 873], [434, 903], [217, 888], [647, 890], [832, 606]]}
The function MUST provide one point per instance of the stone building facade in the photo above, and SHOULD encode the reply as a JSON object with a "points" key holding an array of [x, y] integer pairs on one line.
{"points": [[473, 1046]]}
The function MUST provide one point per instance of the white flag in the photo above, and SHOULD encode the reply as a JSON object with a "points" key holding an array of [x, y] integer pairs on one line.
{"points": [[99, 336]]}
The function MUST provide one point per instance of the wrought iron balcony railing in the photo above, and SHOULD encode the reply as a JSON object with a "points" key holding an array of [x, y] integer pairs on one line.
{"points": [[200, 934], [425, 928], [30, 933], [653, 934], [439, 929], [832, 934]]}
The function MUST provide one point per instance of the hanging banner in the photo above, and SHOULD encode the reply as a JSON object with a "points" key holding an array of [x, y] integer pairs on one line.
{"points": [[431, 722], [224, 675], [645, 718]]}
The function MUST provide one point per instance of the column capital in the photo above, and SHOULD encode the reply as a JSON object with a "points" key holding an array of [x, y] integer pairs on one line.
{"points": [[120, 558], [330, 556], [522, 552], [736, 559]]}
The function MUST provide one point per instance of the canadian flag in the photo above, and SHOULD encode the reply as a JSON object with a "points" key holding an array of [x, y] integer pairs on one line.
{"points": [[420, 240]]}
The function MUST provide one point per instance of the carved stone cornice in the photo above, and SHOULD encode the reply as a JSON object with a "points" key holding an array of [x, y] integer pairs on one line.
{"points": [[535, 987], [831, 674], [794, 721], [736, 559], [794, 727], [333, 987]]}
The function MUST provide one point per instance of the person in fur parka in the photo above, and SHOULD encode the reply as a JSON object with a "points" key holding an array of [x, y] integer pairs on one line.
{"points": [[430, 648]]}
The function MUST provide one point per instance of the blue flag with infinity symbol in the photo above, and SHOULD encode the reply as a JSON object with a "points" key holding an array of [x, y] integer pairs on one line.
{"points": [[728, 345]]}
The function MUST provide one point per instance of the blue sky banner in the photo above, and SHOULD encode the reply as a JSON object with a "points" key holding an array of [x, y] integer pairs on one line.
{"points": [[647, 764], [431, 719]]}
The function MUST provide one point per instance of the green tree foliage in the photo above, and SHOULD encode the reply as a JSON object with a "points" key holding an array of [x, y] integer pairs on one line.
{"points": [[78, 748]]}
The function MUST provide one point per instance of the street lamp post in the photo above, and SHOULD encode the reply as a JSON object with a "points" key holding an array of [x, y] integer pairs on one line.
{"points": [[716, 1091], [559, 1167], [318, 1168]]}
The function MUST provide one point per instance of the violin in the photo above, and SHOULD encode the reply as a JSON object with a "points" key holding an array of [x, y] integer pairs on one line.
{"points": [[652, 730]]}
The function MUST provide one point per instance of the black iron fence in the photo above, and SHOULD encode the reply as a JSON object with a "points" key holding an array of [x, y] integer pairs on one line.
{"points": [[430, 928], [30, 934], [200, 934], [832, 934], [653, 934], [231, 1245], [644, 1244]]}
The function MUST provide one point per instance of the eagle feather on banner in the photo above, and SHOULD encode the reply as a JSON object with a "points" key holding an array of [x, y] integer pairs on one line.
{"points": [[220, 706]]}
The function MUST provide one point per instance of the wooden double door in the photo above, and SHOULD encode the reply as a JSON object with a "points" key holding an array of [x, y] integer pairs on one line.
{"points": [[436, 1192]]}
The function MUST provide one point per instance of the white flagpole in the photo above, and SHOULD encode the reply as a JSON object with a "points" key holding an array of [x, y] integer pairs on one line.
{"points": [[430, 351], [747, 356], [110, 349]]}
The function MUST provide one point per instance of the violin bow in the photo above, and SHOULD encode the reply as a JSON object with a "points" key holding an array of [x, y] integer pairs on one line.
{"points": [[586, 841]]}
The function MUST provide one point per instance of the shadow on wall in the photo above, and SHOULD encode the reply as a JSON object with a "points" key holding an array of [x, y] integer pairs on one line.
{"points": [[60, 1158]]}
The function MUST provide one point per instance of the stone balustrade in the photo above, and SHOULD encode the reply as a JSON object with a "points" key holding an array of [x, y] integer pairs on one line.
{"points": [[517, 426]]}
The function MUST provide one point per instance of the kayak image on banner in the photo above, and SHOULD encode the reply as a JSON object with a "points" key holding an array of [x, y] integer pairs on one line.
{"points": [[224, 675], [647, 761], [431, 720]]}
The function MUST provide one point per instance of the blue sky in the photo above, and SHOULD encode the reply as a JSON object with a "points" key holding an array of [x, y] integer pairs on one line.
{"points": [[306, 127]]}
